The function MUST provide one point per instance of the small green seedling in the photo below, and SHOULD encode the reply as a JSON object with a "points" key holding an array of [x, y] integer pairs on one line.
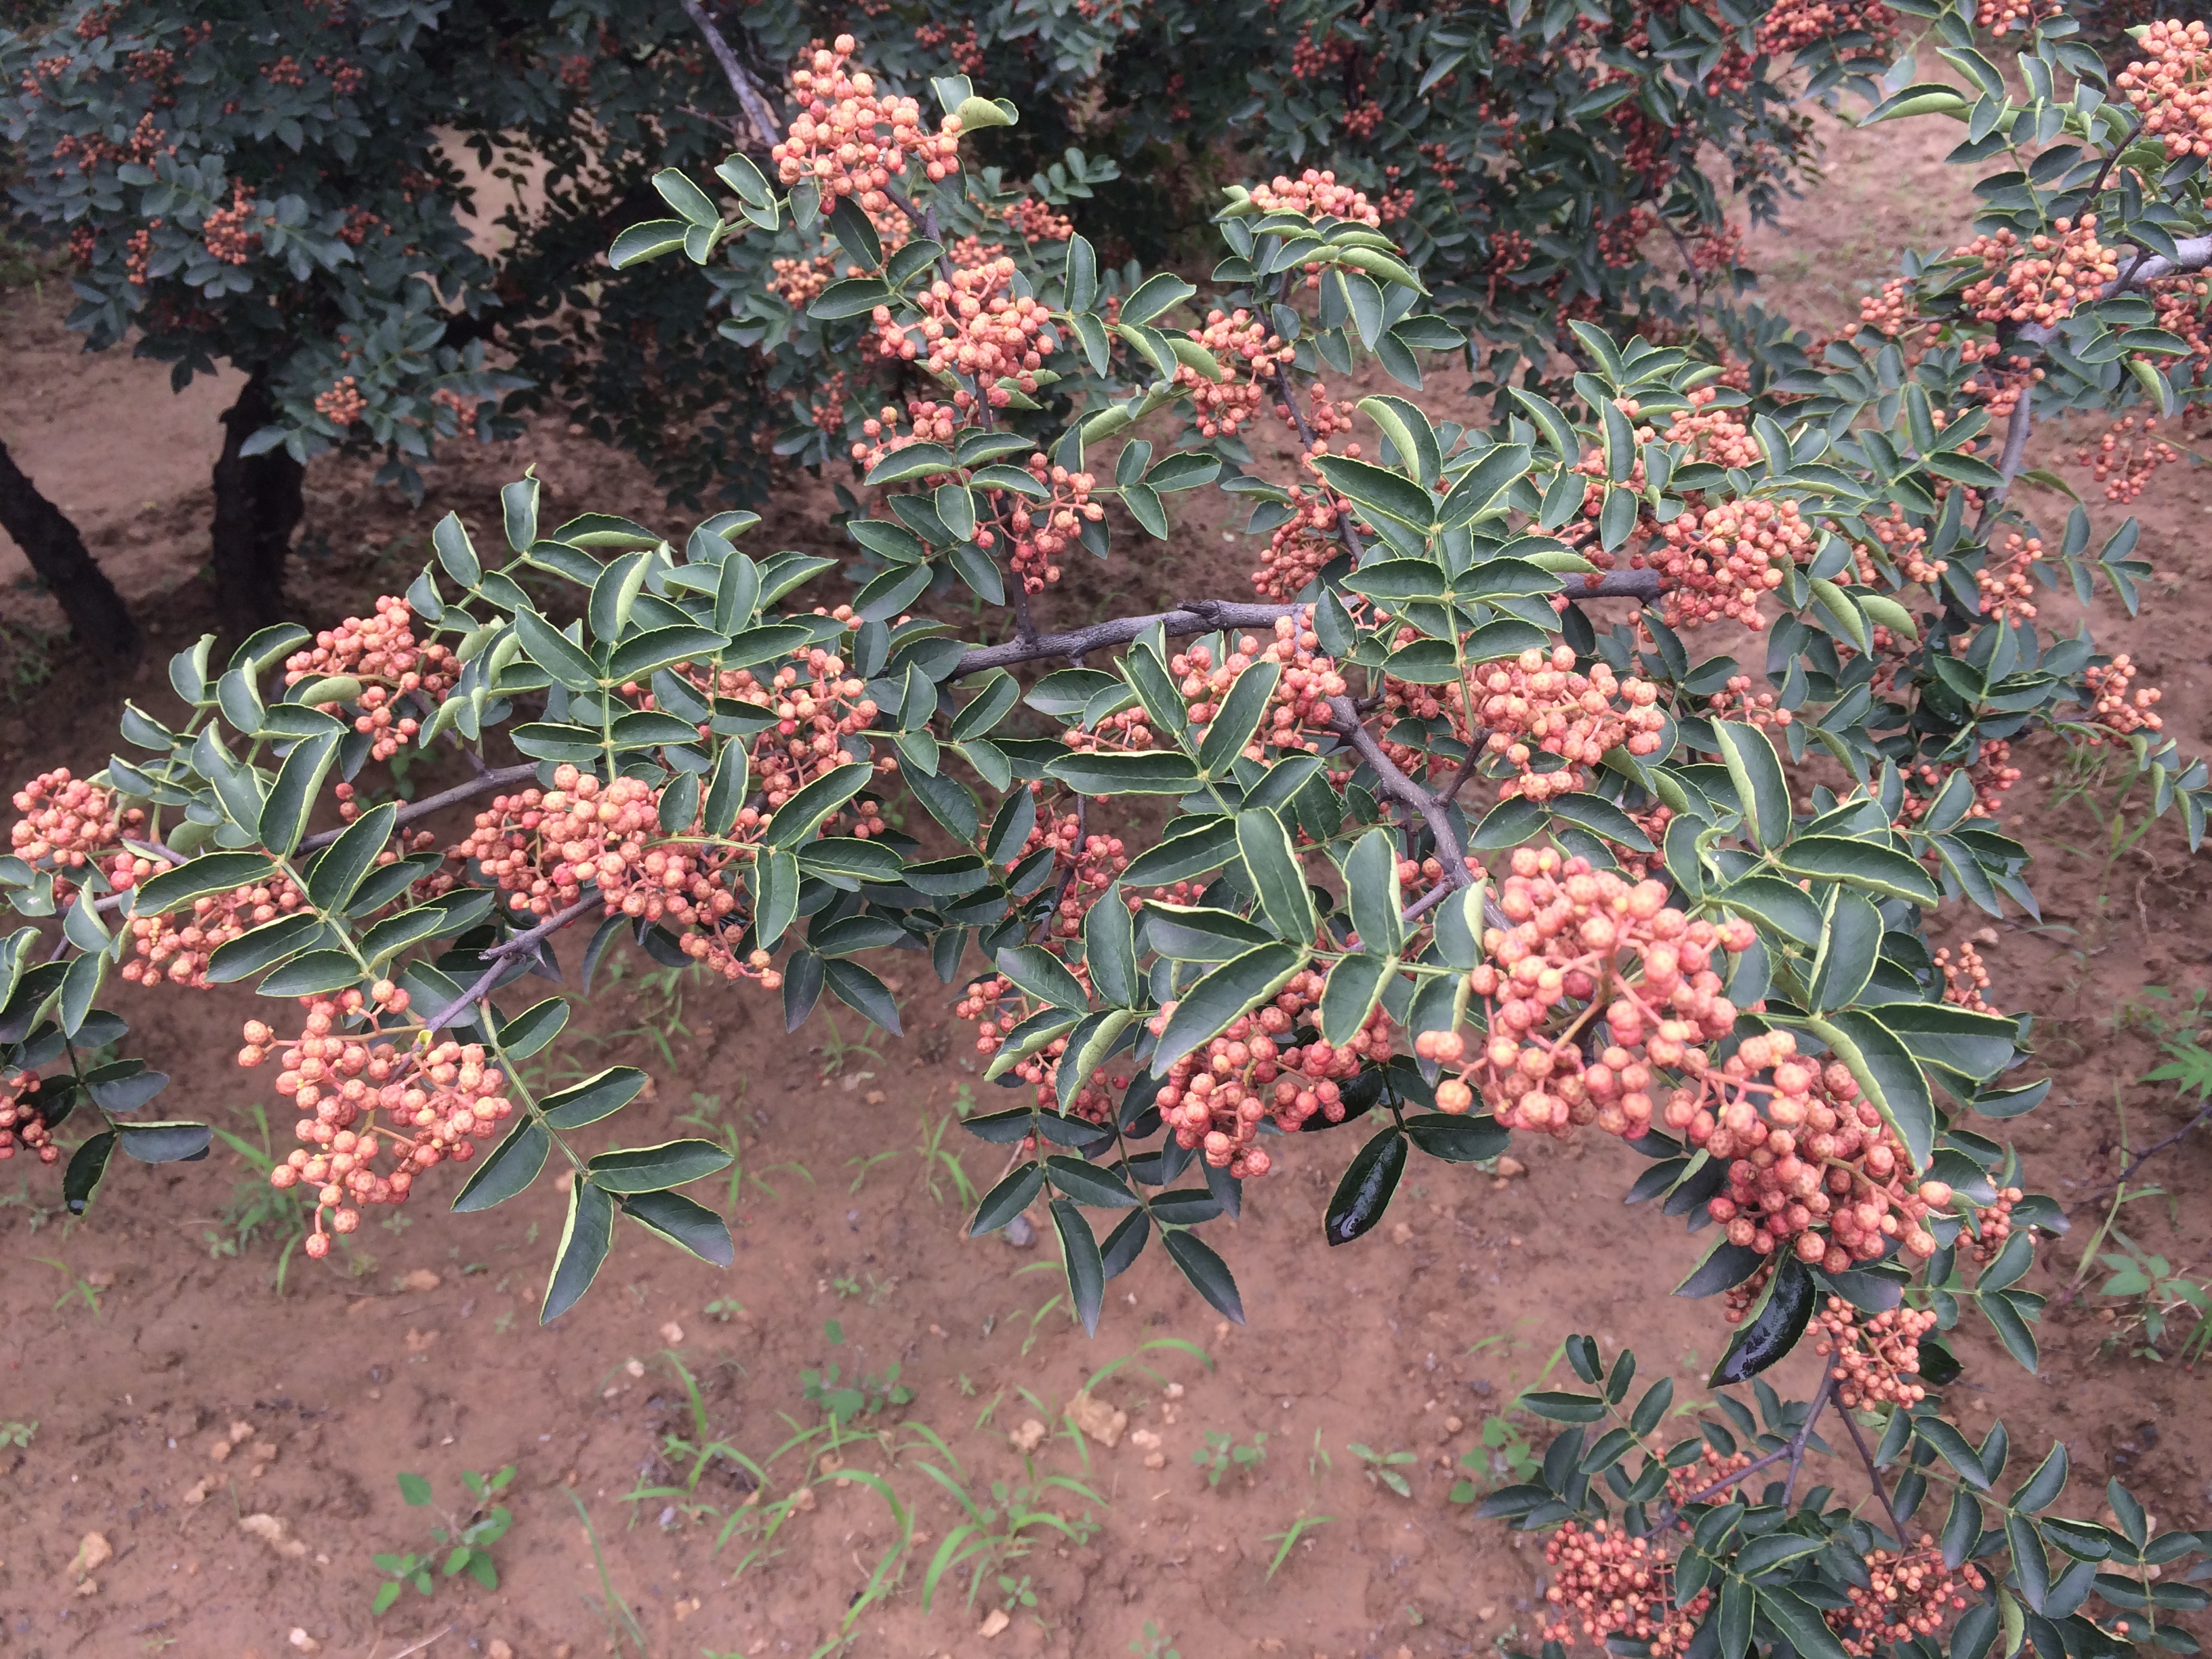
{"points": [[1383, 1467], [465, 1539], [1221, 1453]]}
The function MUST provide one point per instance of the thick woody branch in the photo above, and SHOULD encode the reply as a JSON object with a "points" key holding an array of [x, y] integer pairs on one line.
{"points": [[2196, 255], [750, 97], [1396, 786]]}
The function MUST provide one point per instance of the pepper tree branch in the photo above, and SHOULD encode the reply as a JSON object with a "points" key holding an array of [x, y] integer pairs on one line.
{"points": [[500, 955], [1203, 616], [1398, 787], [750, 97], [1793, 1449], [483, 783], [1874, 1474]]}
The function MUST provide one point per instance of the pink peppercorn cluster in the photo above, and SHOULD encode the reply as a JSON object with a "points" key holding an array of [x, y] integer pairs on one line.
{"points": [[2124, 464], [1607, 1584], [1796, 24], [928, 421], [1581, 945], [401, 679], [851, 139], [1721, 561], [1089, 865], [1249, 355], [972, 327], [2172, 85], [2039, 280], [1215, 1097], [2111, 702], [225, 230], [1819, 1172], [1906, 1596], [1536, 703], [69, 823], [343, 402], [1296, 712], [1315, 193], [1301, 546], [1042, 530], [181, 951], [543, 847], [997, 1006], [360, 1095], [1871, 1355], [22, 1123], [823, 714]]}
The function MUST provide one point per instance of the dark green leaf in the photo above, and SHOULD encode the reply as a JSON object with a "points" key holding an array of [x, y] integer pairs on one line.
{"points": [[656, 1169], [684, 1221], [584, 1237], [595, 1097], [1364, 1192], [1208, 1274], [508, 1169], [1086, 1270]]}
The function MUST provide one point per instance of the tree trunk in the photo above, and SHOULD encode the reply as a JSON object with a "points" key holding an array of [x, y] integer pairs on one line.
{"points": [[96, 613], [258, 506]]}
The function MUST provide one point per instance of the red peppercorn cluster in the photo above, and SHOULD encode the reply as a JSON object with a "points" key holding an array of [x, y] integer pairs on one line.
{"points": [[1737, 701], [1042, 530], [1796, 24], [1315, 193], [1871, 1355], [850, 139], [1087, 863], [2121, 463], [1215, 1097], [1965, 977], [928, 421], [1708, 1472], [2005, 580], [2171, 84], [545, 846], [796, 282], [2039, 281], [1718, 435], [225, 231], [341, 406], [1607, 1584], [23, 1124], [1902, 545], [821, 716], [1993, 1227], [1301, 545], [997, 1007], [2002, 16], [360, 1095], [2113, 705], [1906, 1596], [1721, 561], [1241, 347], [402, 679], [1819, 1173], [181, 952], [1034, 222], [972, 328], [1582, 944], [1538, 703], [68, 823], [1296, 712]]}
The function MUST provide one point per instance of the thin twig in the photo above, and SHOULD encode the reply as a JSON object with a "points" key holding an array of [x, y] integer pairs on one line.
{"points": [[2146, 1155], [1880, 1489], [1204, 616], [1793, 1449], [483, 784], [500, 955]]}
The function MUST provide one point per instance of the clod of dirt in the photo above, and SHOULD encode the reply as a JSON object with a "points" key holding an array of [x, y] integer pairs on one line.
{"points": [[305, 1643], [420, 1341], [803, 1499], [94, 1552], [1096, 1418], [273, 1531], [1027, 1437], [1401, 1234], [1020, 1233], [499, 1648], [672, 1334], [993, 1623], [1509, 1167], [196, 1494], [419, 1279]]}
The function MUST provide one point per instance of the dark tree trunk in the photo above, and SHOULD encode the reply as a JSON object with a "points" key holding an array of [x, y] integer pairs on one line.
{"points": [[96, 613], [258, 506]]}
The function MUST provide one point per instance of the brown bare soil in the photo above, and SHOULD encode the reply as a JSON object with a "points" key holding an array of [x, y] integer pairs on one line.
{"points": [[243, 1496]]}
